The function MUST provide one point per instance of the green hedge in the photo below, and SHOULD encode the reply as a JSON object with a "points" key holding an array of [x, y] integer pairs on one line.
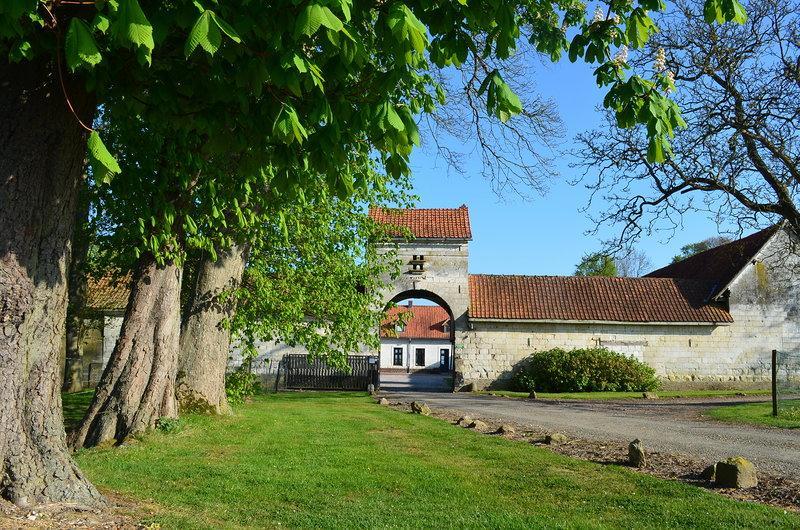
{"points": [[589, 370]]}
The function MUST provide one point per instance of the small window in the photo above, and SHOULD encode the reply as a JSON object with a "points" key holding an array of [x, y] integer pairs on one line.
{"points": [[419, 357], [398, 357]]}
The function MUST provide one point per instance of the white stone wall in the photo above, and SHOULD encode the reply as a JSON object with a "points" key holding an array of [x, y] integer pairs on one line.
{"points": [[432, 349], [112, 324], [678, 353]]}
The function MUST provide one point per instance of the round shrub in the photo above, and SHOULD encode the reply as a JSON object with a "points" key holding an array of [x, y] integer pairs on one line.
{"points": [[586, 370]]}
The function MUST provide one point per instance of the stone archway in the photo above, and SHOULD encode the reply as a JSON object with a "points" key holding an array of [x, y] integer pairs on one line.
{"points": [[428, 364]]}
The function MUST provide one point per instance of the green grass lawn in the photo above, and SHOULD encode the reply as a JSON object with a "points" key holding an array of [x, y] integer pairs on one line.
{"points": [[627, 395], [74, 406], [761, 414], [339, 460]]}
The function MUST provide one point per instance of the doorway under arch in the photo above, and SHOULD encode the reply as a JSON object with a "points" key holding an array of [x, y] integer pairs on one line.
{"points": [[417, 343]]}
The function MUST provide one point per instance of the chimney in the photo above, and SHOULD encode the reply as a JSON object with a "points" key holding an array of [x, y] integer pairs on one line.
{"points": [[410, 303]]}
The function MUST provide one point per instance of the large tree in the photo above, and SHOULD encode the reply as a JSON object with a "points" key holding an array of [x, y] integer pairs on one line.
{"points": [[284, 85], [737, 160]]}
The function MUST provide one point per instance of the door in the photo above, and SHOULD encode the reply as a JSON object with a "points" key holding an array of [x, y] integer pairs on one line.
{"points": [[419, 357], [444, 359]]}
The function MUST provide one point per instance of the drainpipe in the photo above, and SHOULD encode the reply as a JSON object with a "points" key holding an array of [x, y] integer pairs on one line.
{"points": [[408, 357]]}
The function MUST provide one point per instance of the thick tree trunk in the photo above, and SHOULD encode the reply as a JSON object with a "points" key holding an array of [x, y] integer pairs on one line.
{"points": [[205, 340], [74, 365], [138, 385], [42, 150]]}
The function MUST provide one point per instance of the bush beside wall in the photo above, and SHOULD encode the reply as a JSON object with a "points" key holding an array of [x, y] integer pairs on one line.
{"points": [[583, 370]]}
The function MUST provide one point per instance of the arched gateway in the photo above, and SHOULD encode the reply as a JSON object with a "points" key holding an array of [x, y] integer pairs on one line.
{"points": [[433, 247]]}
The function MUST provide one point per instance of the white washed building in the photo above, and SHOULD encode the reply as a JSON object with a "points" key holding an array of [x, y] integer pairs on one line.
{"points": [[423, 342]]}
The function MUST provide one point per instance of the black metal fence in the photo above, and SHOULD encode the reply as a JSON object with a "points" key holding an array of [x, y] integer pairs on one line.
{"points": [[299, 372]]}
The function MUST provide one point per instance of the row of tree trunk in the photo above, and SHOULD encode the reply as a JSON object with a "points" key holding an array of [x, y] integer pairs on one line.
{"points": [[160, 365], [42, 157]]}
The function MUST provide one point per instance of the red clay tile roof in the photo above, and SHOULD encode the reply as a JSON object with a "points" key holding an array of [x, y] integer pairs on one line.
{"points": [[107, 293], [719, 264], [427, 322], [576, 298], [426, 223]]}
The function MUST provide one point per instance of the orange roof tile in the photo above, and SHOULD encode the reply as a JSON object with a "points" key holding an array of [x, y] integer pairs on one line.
{"points": [[577, 298], [108, 293], [426, 223], [427, 322]]}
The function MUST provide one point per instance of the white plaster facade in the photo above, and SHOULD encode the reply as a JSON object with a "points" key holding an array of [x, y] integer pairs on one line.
{"points": [[432, 354]]}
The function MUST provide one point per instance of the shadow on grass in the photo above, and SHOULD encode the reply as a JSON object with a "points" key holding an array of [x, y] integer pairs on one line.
{"points": [[75, 405]]}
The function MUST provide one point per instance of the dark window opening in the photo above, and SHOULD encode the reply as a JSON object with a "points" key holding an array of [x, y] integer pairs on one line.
{"points": [[398, 357], [419, 358], [418, 264]]}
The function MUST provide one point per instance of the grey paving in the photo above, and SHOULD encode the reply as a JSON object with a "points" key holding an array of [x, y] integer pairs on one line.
{"points": [[673, 426], [416, 382]]}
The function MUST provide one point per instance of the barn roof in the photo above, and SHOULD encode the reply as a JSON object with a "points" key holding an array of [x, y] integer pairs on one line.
{"points": [[109, 293], [599, 299], [721, 264], [427, 322], [426, 223]]}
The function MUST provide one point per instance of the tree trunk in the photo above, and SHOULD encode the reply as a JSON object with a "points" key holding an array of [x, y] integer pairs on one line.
{"points": [[74, 365], [42, 150], [138, 385], [205, 340]]}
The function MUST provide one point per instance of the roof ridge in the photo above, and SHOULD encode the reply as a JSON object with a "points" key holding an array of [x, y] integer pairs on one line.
{"points": [[720, 264], [389, 209], [727, 245], [573, 276]]}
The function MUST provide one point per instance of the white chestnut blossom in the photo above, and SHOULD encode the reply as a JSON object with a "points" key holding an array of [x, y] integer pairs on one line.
{"points": [[660, 64], [622, 56], [671, 76]]}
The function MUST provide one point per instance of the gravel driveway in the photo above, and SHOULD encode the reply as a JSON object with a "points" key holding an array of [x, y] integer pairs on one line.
{"points": [[670, 425]]}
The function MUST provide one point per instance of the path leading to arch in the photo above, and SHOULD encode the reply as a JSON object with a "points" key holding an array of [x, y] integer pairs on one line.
{"points": [[670, 426], [416, 382]]}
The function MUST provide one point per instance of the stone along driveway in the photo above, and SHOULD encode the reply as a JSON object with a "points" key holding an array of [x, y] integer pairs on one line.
{"points": [[669, 426]]}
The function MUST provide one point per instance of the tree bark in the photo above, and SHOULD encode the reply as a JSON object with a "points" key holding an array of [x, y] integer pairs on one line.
{"points": [[138, 385], [74, 365], [205, 339], [42, 150]]}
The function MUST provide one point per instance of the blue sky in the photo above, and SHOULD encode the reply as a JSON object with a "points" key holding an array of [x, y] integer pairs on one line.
{"points": [[544, 235]]}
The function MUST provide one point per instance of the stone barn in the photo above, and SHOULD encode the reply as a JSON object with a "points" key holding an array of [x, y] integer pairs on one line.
{"points": [[710, 320]]}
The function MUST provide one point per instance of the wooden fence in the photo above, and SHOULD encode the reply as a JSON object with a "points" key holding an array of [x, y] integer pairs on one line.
{"points": [[301, 373]]}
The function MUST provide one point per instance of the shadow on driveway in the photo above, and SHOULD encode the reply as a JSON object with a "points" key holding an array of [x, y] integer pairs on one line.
{"points": [[416, 382]]}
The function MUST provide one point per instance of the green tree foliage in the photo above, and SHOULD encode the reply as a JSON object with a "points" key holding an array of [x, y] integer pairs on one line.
{"points": [[312, 80], [596, 264], [318, 285], [701, 246]]}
